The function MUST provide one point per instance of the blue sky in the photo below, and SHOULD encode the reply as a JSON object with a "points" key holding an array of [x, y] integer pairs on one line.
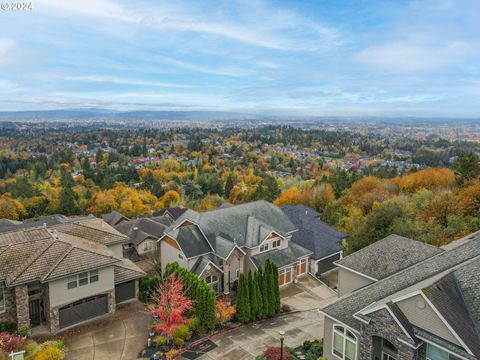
{"points": [[333, 57]]}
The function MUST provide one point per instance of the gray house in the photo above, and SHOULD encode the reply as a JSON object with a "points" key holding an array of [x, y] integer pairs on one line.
{"points": [[59, 275], [403, 299], [221, 244], [324, 241]]}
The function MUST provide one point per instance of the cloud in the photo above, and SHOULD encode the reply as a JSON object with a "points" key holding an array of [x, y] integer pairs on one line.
{"points": [[232, 71], [406, 56], [123, 81]]}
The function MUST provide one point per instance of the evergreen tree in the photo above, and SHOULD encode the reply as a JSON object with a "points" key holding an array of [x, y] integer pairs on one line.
{"points": [[264, 289], [270, 289], [68, 198], [253, 296], [276, 287], [258, 290], [210, 310], [243, 306]]}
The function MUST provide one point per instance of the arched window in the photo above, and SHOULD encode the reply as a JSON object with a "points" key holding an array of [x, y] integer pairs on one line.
{"points": [[344, 343]]}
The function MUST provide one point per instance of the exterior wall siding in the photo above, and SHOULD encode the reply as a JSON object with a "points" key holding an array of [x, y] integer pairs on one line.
{"points": [[349, 281], [283, 245], [117, 249], [139, 248], [425, 317], [61, 295], [169, 254]]}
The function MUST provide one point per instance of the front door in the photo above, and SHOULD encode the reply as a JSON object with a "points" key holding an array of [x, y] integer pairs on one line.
{"points": [[34, 309]]}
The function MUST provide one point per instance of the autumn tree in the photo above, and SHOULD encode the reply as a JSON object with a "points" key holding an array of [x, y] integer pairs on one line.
{"points": [[466, 167], [170, 307]]}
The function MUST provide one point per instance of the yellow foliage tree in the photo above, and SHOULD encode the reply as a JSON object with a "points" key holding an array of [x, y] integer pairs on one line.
{"points": [[170, 198], [11, 208], [292, 196]]}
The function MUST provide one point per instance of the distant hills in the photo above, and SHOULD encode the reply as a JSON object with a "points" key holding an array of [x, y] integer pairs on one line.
{"points": [[107, 114]]}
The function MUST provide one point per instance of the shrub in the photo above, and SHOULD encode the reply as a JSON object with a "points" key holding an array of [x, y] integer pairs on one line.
{"points": [[23, 331], [10, 342], [160, 340], [193, 323], [50, 350], [259, 357], [147, 286], [273, 353], [315, 351], [7, 327], [30, 348], [182, 332], [286, 308], [172, 354], [178, 342]]}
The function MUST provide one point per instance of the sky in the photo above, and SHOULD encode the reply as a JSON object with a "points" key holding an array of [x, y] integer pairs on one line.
{"points": [[320, 58]]}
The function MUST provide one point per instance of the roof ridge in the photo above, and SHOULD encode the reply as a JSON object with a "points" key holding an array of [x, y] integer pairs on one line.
{"points": [[476, 326], [69, 250], [15, 274], [86, 248]]}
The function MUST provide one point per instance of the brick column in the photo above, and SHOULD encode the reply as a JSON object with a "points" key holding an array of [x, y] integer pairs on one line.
{"points": [[21, 301]]}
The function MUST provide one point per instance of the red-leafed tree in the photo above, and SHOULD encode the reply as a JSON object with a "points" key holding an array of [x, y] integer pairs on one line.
{"points": [[170, 306]]}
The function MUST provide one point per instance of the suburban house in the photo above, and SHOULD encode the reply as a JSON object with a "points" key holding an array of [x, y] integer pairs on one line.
{"points": [[324, 241], [58, 272], [142, 232], [403, 299], [221, 244]]}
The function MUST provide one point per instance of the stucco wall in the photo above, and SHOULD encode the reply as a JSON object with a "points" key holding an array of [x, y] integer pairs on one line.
{"points": [[419, 313], [60, 294], [169, 254], [141, 245], [349, 281], [117, 249], [283, 245]]}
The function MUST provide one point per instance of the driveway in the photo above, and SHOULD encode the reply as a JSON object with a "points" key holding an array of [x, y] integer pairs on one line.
{"points": [[304, 323], [119, 336]]}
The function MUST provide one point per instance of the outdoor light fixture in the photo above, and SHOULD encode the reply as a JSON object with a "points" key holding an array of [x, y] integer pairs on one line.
{"points": [[282, 333]]}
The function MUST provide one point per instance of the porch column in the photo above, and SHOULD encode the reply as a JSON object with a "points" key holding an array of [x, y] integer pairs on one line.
{"points": [[21, 302]]}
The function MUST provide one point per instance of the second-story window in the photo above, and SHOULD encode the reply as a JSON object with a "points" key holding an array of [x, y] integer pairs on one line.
{"points": [[276, 243], [264, 247], [82, 279]]}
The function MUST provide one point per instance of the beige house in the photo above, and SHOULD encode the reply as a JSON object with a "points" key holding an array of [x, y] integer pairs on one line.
{"points": [[403, 299], [221, 244], [59, 275]]}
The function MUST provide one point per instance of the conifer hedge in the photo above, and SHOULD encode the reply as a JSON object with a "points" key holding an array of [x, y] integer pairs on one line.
{"points": [[202, 294]]}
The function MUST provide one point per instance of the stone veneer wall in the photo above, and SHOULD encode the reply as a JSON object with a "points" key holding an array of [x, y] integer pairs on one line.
{"points": [[21, 301], [383, 325], [10, 313]]}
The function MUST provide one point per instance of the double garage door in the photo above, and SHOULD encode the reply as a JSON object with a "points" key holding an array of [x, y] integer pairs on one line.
{"points": [[82, 310], [285, 276]]}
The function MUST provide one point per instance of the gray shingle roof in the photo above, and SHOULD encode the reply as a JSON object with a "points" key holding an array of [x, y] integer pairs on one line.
{"points": [[244, 224], [313, 234], [344, 308], [114, 217], [140, 229], [200, 265], [191, 240], [457, 297], [388, 256], [282, 257], [95, 230]]}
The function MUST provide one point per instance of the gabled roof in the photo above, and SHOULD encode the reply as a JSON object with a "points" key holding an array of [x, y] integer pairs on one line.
{"points": [[313, 234], [201, 264], [349, 304], [174, 212], [281, 257], [126, 270], [191, 240], [114, 218], [246, 224], [388, 256], [94, 230], [140, 229]]}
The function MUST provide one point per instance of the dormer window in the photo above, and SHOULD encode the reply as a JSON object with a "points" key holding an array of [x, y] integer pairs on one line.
{"points": [[264, 247], [276, 243]]}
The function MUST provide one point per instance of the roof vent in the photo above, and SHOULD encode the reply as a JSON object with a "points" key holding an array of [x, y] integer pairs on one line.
{"points": [[135, 228], [45, 225], [55, 234]]}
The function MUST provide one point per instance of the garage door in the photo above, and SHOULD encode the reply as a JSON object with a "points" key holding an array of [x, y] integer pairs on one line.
{"points": [[301, 267], [124, 291], [82, 310], [285, 276], [327, 264]]}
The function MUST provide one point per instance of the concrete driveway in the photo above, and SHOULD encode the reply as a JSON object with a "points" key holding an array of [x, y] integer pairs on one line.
{"points": [[119, 336], [304, 323]]}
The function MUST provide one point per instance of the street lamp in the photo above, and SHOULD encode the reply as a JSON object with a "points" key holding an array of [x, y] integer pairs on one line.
{"points": [[282, 333]]}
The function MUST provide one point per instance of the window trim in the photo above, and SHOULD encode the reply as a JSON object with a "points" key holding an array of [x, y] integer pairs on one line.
{"points": [[344, 333], [92, 274], [147, 246], [264, 247], [276, 243]]}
